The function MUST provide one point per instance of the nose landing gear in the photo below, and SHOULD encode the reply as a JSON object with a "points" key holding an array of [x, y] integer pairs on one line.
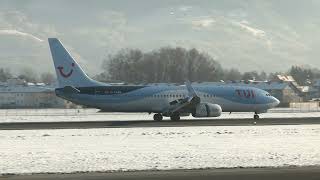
{"points": [[256, 116], [175, 117]]}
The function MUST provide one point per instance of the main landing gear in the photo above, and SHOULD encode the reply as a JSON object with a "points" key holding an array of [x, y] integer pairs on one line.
{"points": [[256, 116], [157, 117]]}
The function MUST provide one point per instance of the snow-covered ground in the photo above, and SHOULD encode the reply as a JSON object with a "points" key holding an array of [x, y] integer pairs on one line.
{"points": [[35, 151], [45, 115]]}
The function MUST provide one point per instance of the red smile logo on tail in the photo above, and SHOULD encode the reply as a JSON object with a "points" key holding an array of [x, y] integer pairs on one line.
{"points": [[65, 75]]}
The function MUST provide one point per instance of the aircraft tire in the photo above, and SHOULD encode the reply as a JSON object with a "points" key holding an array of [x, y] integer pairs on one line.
{"points": [[157, 117]]}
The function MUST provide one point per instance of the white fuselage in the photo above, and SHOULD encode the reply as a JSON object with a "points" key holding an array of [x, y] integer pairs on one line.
{"points": [[157, 98]]}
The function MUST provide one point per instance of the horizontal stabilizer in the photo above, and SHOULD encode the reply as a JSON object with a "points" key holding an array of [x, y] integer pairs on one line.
{"points": [[70, 90]]}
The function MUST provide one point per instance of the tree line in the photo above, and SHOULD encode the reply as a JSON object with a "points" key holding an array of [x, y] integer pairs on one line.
{"points": [[28, 75], [177, 64], [164, 65], [168, 64]]}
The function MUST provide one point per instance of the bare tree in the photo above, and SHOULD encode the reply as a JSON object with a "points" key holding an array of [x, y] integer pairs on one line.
{"points": [[164, 65], [5, 74], [232, 75], [47, 78], [29, 75]]}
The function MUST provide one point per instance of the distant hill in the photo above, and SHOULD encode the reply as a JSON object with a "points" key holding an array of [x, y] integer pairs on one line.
{"points": [[268, 35]]}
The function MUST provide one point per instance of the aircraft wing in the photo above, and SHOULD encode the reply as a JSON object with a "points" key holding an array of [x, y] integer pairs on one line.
{"points": [[190, 101]]}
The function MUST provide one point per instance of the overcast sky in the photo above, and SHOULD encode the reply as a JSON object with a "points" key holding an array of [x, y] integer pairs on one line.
{"points": [[268, 35]]}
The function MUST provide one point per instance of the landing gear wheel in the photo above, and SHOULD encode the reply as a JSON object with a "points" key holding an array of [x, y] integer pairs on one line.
{"points": [[256, 117], [157, 117], [175, 118]]}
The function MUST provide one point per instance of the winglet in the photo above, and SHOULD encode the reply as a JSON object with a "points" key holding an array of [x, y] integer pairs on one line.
{"points": [[191, 92], [193, 97]]}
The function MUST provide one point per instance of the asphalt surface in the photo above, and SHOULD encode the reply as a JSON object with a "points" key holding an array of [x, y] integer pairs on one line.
{"points": [[293, 173], [139, 123]]}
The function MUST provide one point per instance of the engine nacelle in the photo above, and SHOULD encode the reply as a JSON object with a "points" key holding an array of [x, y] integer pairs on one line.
{"points": [[207, 110]]}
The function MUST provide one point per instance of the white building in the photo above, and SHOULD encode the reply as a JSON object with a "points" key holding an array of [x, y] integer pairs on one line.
{"points": [[19, 94]]}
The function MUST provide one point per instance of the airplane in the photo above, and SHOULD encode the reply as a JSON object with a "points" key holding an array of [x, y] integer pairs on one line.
{"points": [[174, 101]]}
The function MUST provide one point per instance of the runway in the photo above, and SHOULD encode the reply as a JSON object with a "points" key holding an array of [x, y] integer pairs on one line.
{"points": [[146, 123], [293, 173]]}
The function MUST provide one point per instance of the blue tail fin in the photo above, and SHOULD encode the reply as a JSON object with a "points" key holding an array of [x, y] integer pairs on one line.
{"points": [[68, 71]]}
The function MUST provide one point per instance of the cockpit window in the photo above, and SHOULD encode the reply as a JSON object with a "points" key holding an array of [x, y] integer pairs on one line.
{"points": [[268, 95]]}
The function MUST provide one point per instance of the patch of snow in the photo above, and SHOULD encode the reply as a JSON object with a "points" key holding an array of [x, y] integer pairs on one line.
{"points": [[19, 33], [254, 31], [39, 151], [206, 22], [185, 8]]}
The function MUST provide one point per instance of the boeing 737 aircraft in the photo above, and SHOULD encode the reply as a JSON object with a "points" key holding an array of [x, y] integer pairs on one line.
{"points": [[172, 101]]}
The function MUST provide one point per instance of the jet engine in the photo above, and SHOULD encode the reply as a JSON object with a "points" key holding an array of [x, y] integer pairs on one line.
{"points": [[207, 110]]}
